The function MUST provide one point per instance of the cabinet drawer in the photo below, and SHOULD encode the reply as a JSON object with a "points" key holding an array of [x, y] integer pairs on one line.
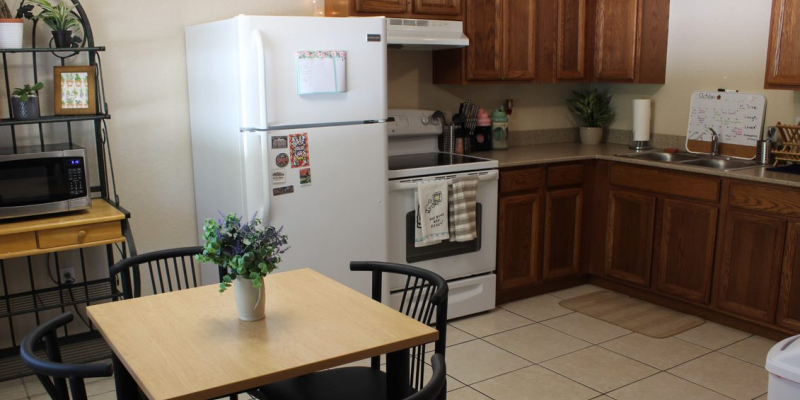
{"points": [[563, 175], [765, 198], [667, 182], [17, 242], [79, 234], [521, 180]]}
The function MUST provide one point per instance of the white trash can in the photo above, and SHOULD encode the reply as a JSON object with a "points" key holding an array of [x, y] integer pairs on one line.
{"points": [[783, 364]]}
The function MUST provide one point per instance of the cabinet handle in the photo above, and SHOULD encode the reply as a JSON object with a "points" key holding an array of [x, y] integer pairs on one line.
{"points": [[81, 234]]}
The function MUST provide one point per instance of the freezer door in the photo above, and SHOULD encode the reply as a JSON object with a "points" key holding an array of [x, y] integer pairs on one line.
{"points": [[268, 70], [327, 187]]}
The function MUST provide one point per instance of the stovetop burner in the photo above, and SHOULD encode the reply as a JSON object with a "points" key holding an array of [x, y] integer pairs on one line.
{"points": [[427, 160]]}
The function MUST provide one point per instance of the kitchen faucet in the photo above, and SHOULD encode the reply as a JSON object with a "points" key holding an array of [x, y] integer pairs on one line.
{"points": [[714, 142]]}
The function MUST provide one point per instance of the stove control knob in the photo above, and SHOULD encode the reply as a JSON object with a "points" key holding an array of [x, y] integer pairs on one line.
{"points": [[424, 120]]}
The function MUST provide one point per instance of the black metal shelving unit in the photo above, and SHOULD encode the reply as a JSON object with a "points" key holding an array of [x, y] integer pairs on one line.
{"points": [[56, 295]]}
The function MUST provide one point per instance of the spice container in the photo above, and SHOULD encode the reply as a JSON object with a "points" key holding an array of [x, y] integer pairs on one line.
{"points": [[499, 130]]}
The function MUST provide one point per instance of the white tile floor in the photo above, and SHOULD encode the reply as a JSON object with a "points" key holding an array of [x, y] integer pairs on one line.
{"points": [[535, 349]]}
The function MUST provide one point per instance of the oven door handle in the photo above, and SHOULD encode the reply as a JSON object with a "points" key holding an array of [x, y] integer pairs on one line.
{"points": [[410, 184]]}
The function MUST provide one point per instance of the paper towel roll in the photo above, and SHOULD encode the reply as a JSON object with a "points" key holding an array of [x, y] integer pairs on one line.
{"points": [[641, 120]]}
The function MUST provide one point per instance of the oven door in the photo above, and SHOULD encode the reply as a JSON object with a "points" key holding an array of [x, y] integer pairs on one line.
{"points": [[450, 260]]}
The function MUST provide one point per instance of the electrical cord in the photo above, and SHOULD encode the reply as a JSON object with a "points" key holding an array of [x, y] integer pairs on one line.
{"points": [[69, 290]]}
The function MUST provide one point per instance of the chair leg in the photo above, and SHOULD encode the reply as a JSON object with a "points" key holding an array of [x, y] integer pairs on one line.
{"points": [[257, 394], [234, 397]]}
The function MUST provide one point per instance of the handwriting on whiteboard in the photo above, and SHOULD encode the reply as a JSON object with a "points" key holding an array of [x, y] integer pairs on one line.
{"points": [[736, 117]]}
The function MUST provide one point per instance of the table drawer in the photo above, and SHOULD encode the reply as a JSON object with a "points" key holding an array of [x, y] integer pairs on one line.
{"points": [[17, 242], [765, 199], [663, 181], [563, 175], [521, 180], [74, 235]]}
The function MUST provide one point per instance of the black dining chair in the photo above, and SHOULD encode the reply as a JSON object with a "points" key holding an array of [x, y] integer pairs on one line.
{"points": [[424, 296], [51, 371]]}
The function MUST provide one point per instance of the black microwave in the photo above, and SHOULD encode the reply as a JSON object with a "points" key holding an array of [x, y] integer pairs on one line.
{"points": [[38, 180]]}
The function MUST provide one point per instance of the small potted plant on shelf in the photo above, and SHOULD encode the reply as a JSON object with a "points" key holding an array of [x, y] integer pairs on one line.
{"points": [[11, 25], [61, 20], [24, 103], [248, 251], [593, 108]]}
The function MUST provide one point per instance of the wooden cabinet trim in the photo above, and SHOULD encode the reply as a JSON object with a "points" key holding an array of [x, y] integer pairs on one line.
{"points": [[764, 198], [533, 275], [516, 47], [517, 180], [562, 73], [484, 43], [627, 71], [18, 242], [790, 281], [784, 24], [448, 7], [565, 175], [381, 6], [645, 232], [662, 181], [551, 271]]}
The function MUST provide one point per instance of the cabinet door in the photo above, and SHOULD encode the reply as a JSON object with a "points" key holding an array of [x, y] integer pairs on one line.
{"points": [[485, 51], [617, 39], [789, 300], [518, 241], [629, 240], [571, 41], [438, 7], [750, 265], [519, 39], [562, 232], [685, 261], [381, 6], [783, 56]]}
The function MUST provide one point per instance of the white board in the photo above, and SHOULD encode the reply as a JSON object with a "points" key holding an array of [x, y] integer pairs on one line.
{"points": [[738, 118]]}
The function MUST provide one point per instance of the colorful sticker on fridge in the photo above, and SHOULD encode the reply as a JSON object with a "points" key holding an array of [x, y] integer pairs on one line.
{"points": [[279, 142], [299, 148], [278, 176], [305, 177], [282, 190], [282, 160]]}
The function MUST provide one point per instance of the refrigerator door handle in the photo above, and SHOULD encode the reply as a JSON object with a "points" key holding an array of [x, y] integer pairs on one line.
{"points": [[262, 78]]}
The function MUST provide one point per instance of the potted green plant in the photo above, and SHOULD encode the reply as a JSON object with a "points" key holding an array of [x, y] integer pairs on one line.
{"points": [[11, 25], [61, 19], [24, 103], [248, 251], [593, 108]]}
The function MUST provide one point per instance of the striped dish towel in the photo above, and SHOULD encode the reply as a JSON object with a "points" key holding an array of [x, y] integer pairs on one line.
{"points": [[463, 193]]}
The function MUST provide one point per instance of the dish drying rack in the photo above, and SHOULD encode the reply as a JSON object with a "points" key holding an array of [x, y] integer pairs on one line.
{"points": [[790, 150]]}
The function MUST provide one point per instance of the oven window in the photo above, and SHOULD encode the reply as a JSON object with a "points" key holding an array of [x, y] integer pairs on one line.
{"points": [[444, 249], [36, 181]]}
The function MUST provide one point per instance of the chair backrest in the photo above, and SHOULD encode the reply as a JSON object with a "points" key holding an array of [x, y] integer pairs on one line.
{"points": [[169, 270], [436, 386], [423, 297], [52, 372]]}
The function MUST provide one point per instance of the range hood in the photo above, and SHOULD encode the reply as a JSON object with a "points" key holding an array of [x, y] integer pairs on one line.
{"points": [[425, 34]]}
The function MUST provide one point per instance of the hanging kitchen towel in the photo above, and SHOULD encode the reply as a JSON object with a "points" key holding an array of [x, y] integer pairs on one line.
{"points": [[463, 194], [432, 213]]}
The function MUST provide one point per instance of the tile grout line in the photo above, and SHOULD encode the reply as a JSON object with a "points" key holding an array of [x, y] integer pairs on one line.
{"points": [[695, 383]]}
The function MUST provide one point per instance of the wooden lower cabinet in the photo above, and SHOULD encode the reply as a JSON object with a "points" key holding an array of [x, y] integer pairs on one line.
{"points": [[562, 233], [685, 250], [518, 241], [629, 238], [789, 299], [749, 268]]}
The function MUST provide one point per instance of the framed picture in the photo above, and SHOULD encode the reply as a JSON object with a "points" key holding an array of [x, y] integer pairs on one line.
{"points": [[74, 90]]}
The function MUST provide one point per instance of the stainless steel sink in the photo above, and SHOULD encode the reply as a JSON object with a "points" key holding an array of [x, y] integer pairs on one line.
{"points": [[663, 157], [724, 164]]}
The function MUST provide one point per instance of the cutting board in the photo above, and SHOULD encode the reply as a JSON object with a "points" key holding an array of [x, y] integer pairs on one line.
{"points": [[738, 119]]}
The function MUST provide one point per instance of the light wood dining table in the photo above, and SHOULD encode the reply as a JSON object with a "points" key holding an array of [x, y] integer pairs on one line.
{"points": [[190, 344]]}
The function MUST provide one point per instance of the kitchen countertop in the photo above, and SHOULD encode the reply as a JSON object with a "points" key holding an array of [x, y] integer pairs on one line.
{"points": [[563, 152]]}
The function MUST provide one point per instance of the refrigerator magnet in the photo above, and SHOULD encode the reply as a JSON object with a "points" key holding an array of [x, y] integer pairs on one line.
{"points": [[278, 176], [279, 142], [282, 160], [305, 177], [298, 143], [282, 190]]}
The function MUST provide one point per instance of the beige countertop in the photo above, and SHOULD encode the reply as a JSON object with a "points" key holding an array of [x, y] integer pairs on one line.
{"points": [[563, 152]]}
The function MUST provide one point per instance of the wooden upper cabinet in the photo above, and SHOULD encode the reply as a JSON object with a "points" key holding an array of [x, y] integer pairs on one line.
{"points": [[629, 238], [519, 39], [483, 27], [749, 268], [381, 6], [617, 39], [685, 262], [783, 55], [789, 300], [562, 233], [444, 7], [518, 253], [571, 39]]}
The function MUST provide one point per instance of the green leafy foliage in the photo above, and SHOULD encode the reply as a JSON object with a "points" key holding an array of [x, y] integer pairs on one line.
{"points": [[593, 107], [27, 91], [251, 250], [59, 17]]}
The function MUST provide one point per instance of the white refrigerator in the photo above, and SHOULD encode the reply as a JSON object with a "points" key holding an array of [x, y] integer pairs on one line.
{"points": [[288, 121]]}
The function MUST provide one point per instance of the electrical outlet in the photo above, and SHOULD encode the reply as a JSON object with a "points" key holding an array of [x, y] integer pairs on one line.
{"points": [[67, 275]]}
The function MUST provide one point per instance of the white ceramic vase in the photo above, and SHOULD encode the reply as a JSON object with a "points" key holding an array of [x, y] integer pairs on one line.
{"points": [[11, 33], [591, 135], [249, 300]]}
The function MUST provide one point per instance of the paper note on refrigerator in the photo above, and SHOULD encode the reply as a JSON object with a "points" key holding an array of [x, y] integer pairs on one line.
{"points": [[321, 72]]}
